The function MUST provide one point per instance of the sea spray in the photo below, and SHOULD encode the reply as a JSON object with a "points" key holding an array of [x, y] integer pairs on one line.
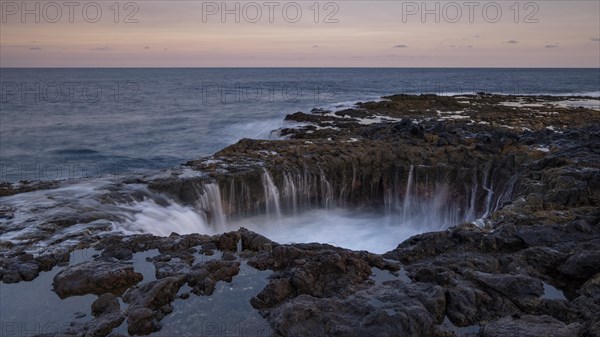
{"points": [[150, 217]]}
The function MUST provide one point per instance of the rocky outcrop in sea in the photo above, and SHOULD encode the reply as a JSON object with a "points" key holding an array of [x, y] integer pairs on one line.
{"points": [[515, 182]]}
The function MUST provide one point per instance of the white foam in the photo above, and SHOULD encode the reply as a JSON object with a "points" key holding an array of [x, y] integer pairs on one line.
{"points": [[267, 152], [579, 94], [543, 149], [454, 117], [149, 217], [337, 106], [261, 129], [593, 104], [355, 230], [377, 119], [521, 104]]}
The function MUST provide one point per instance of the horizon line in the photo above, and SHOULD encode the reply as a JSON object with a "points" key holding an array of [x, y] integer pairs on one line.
{"points": [[287, 67]]}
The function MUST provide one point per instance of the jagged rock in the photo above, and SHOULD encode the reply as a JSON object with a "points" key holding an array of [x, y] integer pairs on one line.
{"points": [[171, 268], [393, 309], [530, 326], [94, 277], [7, 189], [542, 225], [582, 265], [106, 303], [141, 321], [146, 299], [11, 276], [317, 270], [28, 270], [514, 286], [274, 293], [205, 275], [118, 253]]}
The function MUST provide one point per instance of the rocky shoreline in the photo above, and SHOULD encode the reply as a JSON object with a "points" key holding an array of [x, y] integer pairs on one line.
{"points": [[518, 178]]}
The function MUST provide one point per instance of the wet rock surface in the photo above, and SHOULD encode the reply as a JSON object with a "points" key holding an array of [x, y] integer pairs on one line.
{"points": [[533, 225], [95, 278]]}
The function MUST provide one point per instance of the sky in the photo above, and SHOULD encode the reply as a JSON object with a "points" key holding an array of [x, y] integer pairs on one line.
{"points": [[350, 33]]}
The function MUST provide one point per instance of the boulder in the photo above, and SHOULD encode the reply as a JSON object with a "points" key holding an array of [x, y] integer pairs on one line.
{"points": [[95, 277]]}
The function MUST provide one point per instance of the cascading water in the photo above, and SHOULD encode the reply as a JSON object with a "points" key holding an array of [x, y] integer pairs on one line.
{"points": [[299, 206], [149, 217], [271, 193], [326, 191], [290, 192], [506, 194], [210, 203], [489, 194], [470, 215], [406, 208]]}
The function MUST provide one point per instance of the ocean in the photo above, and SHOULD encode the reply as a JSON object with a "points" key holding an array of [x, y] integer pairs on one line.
{"points": [[91, 128], [63, 124]]}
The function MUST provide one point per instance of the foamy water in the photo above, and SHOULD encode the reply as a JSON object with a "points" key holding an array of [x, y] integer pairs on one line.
{"points": [[353, 229], [287, 216]]}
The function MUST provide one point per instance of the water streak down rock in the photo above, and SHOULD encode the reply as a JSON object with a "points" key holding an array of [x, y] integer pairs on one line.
{"points": [[533, 172]]}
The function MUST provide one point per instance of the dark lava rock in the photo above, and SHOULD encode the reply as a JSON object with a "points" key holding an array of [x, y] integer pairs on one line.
{"points": [[7, 188], [28, 270], [171, 268], [141, 321], [94, 277], [354, 113], [11, 276], [107, 317], [530, 326], [229, 256], [205, 275], [542, 224], [515, 286], [106, 303], [393, 309], [582, 265], [274, 293], [317, 270], [118, 253], [145, 301]]}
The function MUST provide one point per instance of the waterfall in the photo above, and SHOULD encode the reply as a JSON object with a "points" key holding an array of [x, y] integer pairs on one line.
{"points": [[271, 194], [326, 191], [290, 191], [211, 203], [407, 194], [423, 197], [305, 185], [388, 199], [231, 203], [489, 195], [471, 213], [506, 194], [440, 210]]}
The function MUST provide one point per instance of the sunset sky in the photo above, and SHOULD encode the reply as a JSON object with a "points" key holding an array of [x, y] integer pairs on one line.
{"points": [[366, 34]]}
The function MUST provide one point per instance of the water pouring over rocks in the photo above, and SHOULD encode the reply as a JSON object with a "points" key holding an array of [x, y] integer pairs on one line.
{"points": [[477, 228]]}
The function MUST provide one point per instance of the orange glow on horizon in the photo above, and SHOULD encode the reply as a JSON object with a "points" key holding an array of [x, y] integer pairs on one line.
{"points": [[338, 34]]}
